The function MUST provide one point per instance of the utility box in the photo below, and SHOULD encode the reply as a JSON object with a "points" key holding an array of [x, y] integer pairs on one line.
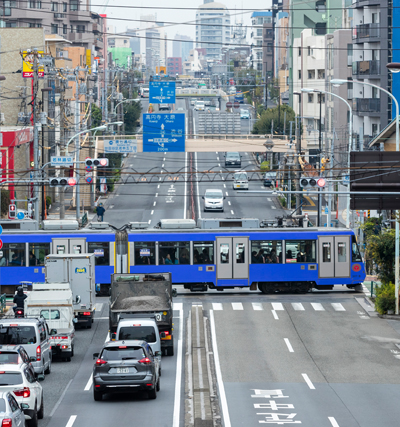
{"points": [[77, 270]]}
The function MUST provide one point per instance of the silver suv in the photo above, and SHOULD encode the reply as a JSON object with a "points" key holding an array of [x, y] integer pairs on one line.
{"points": [[33, 335]]}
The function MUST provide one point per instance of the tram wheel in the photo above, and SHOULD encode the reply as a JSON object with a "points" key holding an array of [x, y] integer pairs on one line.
{"points": [[266, 288]]}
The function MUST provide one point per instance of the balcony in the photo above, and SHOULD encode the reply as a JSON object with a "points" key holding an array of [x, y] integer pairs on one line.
{"points": [[59, 16], [367, 105], [366, 68], [366, 31], [96, 28], [80, 15]]}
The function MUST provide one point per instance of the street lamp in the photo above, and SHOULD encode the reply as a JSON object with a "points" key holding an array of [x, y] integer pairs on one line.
{"points": [[392, 67]]}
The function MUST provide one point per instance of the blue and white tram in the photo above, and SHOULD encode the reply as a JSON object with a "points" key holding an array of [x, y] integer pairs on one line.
{"points": [[292, 259]]}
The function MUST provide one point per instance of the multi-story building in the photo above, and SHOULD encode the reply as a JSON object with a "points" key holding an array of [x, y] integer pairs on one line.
{"points": [[281, 70], [181, 46], [174, 66], [267, 50], [192, 65], [372, 46], [212, 28], [258, 19]]}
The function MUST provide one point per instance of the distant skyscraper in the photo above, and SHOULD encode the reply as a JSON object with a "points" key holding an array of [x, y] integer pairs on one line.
{"points": [[181, 49], [213, 29]]}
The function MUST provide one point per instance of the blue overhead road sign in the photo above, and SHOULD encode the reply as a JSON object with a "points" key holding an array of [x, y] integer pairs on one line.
{"points": [[164, 132], [162, 92]]}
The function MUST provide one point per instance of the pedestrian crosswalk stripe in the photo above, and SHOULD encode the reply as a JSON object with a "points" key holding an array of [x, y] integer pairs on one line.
{"points": [[317, 306], [298, 306], [217, 306], [337, 306], [237, 306], [257, 306], [178, 306], [98, 306], [277, 306]]}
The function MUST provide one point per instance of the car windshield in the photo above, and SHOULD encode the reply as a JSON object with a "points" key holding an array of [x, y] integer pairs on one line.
{"points": [[200, 102], [8, 357], [242, 176], [145, 333], [214, 194], [10, 378], [122, 353], [232, 156], [17, 335]]}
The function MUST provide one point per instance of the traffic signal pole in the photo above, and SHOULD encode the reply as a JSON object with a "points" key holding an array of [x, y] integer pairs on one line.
{"points": [[36, 124]]}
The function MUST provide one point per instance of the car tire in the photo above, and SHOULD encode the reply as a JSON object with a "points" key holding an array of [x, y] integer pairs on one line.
{"points": [[48, 370], [97, 396], [33, 422], [41, 410], [72, 351], [152, 393], [158, 386], [170, 351]]}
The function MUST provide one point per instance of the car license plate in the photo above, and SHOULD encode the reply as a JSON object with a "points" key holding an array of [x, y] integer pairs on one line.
{"points": [[122, 370]]}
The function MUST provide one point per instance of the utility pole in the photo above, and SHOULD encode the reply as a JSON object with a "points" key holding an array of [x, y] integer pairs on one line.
{"points": [[36, 124], [61, 145], [319, 157]]}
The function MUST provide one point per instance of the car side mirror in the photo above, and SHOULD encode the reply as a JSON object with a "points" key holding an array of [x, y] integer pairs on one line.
{"points": [[77, 299], [174, 293], [162, 335], [96, 355], [40, 377], [53, 331], [113, 336], [158, 354]]}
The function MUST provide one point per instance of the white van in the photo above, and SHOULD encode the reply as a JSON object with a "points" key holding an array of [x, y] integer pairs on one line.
{"points": [[213, 200], [199, 106], [240, 181]]}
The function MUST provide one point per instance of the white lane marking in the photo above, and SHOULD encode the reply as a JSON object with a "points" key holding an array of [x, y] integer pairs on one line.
{"points": [[232, 213], [112, 206], [298, 306], [149, 221], [308, 381], [177, 306], [219, 164], [71, 421], [177, 398], [162, 165], [151, 213], [226, 193], [224, 186], [158, 186], [289, 346], [273, 207], [98, 306], [154, 203], [337, 306], [217, 158], [249, 161], [275, 315], [237, 306], [229, 203], [164, 159], [317, 306], [60, 399], [333, 422], [156, 194], [269, 199], [197, 185], [185, 197], [217, 306], [257, 306], [89, 383], [277, 306], [221, 388]]}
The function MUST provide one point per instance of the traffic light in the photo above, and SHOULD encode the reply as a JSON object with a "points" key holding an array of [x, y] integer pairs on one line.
{"points": [[12, 211], [62, 182], [102, 162], [318, 182]]}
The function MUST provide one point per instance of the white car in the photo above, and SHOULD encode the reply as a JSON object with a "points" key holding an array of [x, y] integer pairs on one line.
{"points": [[20, 379], [199, 106], [193, 101], [213, 200]]}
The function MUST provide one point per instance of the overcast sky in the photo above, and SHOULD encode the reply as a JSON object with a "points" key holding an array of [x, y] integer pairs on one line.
{"points": [[132, 16]]}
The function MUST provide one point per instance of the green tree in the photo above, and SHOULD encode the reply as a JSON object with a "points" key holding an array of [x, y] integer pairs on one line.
{"points": [[381, 249], [264, 124], [96, 116], [132, 113]]}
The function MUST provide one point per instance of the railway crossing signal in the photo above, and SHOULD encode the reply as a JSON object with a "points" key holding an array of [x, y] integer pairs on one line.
{"points": [[102, 162], [62, 182], [317, 182], [12, 211]]}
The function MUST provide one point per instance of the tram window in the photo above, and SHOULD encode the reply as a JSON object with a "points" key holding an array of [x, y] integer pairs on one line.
{"points": [[266, 251], [355, 252], [240, 253], [37, 252], [342, 251], [300, 251], [224, 253], [203, 252], [101, 251], [14, 254], [326, 252], [174, 252], [145, 253]]}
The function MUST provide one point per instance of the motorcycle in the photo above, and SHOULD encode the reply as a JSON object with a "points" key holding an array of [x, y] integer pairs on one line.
{"points": [[19, 312]]}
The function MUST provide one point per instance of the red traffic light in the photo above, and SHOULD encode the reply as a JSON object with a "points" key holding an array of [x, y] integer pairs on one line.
{"points": [[71, 182], [103, 162], [12, 207], [321, 182]]}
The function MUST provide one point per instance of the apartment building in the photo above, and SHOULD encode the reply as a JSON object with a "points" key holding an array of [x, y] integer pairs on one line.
{"points": [[258, 31], [174, 66], [181, 46]]}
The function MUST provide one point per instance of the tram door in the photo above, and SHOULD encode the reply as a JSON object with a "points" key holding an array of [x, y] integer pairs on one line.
{"points": [[232, 258], [334, 256], [69, 246]]}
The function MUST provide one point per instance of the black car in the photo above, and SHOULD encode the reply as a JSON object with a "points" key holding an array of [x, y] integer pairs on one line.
{"points": [[233, 159], [269, 179], [125, 366], [164, 107]]}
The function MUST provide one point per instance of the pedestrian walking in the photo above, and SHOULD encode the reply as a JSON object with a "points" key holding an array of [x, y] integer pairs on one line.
{"points": [[100, 212]]}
